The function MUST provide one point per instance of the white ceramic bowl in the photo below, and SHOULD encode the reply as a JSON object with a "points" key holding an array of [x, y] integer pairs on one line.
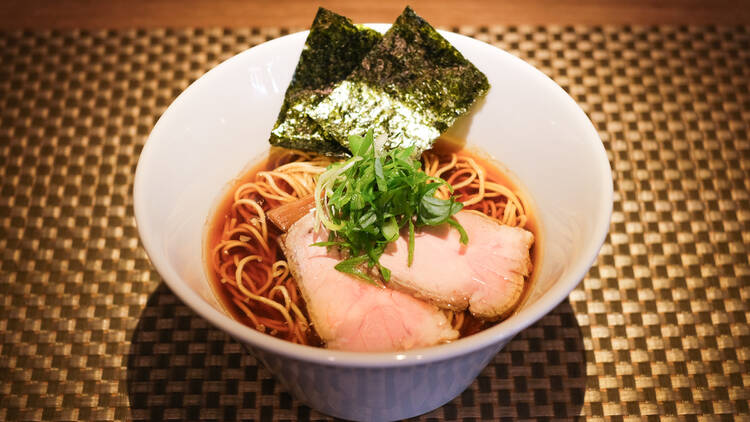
{"points": [[220, 124]]}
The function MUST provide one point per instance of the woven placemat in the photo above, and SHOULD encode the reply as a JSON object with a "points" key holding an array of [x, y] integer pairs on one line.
{"points": [[658, 329]]}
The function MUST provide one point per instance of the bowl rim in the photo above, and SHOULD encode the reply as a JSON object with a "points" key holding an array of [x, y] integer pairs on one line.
{"points": [[487, 338]]}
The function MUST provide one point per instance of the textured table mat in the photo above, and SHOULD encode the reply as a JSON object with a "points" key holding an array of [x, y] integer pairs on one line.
{"points": [[657, 329]]}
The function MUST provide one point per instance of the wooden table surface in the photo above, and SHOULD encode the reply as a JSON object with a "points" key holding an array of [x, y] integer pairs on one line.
{"points": [[36, 14]]}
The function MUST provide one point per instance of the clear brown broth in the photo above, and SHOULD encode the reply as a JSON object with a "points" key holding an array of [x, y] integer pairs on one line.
{"points": [[471, 325]]}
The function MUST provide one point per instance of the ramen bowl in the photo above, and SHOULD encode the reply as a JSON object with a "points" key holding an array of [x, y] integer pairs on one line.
{"points": [[219, 126]]}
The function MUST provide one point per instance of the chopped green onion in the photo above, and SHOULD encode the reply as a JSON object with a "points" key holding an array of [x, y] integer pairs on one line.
{"points": [[368, 199]]}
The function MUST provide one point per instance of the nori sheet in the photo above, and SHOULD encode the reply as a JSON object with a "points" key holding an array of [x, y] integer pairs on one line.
{"points": [[411, 87], [333, 48]]}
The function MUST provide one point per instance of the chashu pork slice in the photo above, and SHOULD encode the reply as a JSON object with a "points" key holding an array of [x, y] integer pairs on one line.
{"points": [[486, 276], [350, 314]]}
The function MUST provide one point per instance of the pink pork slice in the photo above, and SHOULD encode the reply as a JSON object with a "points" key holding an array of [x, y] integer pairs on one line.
{"points": [[350, 314], [486, 276]]}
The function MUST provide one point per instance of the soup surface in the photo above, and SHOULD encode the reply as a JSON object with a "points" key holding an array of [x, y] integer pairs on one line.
{"points": [[248, 270]]}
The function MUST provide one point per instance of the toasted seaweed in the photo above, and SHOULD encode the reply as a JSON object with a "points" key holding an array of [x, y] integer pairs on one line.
{"points": [[410, 87], [334, 47]]}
